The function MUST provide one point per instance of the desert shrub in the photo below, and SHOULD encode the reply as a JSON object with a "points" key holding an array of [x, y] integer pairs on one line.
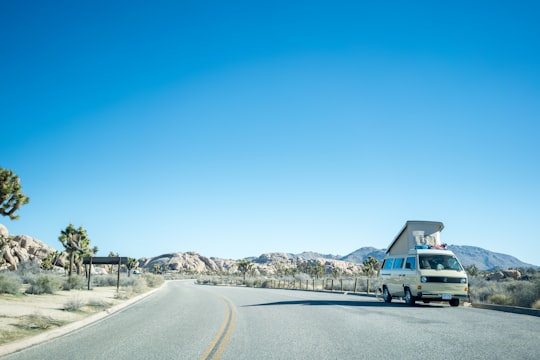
{"points": [[37, 321], [139, 286], [10, 283], [128, 281], [362, 285], [98, 304], [44, 284], [136, 286], [125, 281], [104, 280], [8, 336], [301, 277], [500, 299], [27, 269], [348, 284], [153, 280], [481, 289], [124, 294], [74, 304], [75, 283], [524, 293], [268, 284]]}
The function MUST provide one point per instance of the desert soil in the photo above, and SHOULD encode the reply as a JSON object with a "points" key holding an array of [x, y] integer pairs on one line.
{"points": [[14, 308]]}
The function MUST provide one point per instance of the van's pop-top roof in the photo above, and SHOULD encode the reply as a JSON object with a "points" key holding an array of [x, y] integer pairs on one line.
{"points": [[416, 233]]}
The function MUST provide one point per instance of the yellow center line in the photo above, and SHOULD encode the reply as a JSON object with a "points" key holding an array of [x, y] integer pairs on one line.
{"points": [[216, 347]]}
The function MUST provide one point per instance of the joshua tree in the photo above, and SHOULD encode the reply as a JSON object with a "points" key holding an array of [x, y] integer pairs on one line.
{"points": [[472, 270], [244, 266], [53, 259], [87, 252], [11, 199], [311, 267], [76, 243], [11, 195], [370, 267], [132, 264], [110, 268]]}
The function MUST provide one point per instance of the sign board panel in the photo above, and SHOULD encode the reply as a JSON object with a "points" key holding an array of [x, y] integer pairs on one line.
{"points": [[105, 260]]}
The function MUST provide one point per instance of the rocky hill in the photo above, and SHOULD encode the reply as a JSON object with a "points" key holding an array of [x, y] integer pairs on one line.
{"points": [[15, 249], [266, 264]]}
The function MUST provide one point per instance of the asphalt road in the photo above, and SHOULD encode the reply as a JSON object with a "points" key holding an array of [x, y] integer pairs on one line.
{"points": [[188, 321]]}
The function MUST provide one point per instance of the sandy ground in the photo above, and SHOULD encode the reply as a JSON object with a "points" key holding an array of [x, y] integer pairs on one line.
{"points": [[12, 307], [15, 311]]}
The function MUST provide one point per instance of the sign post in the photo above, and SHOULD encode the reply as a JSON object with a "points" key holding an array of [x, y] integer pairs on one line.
{"points": [[115, 260]]}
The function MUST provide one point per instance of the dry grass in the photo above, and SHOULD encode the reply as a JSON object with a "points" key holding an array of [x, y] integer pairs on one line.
{"points": [[28, 325], [37, 321]]}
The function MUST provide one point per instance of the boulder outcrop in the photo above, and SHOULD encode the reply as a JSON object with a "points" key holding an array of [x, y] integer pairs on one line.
{"points": [[15, 249], [266, 264]]}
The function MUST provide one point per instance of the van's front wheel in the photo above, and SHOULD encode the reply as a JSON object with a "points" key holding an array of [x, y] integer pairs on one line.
{"points": [[386, 295], [409, 299], [454, 302]]}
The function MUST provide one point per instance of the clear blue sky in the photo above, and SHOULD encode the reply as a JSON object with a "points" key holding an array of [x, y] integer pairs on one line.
{"points": [[238, 128]]}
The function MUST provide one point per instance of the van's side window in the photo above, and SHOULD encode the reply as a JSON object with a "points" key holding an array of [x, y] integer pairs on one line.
{"points": [[398, 263], [388, 263], [410, 263]]}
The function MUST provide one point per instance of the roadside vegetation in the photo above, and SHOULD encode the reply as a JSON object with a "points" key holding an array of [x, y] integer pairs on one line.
{"points": [[299, 281], [521, 288], [30, 280]]}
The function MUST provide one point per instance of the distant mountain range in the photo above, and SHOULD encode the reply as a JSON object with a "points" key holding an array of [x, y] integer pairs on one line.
{"points": [[468, 255], [272, 263], [487, 260]]}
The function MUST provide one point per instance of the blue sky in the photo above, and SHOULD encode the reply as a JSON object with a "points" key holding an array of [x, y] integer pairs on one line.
{"points": [[238, 128]]}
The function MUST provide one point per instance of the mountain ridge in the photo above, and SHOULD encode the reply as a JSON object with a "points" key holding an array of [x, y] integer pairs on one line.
{"points": [[484, 259]]}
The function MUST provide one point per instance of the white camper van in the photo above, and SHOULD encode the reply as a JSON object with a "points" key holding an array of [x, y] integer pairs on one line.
{"points": [[418, 267]]}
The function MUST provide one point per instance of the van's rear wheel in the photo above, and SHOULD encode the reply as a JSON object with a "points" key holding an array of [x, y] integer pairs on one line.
{"points": [[409, 299], [454, 302], [386, 295]]}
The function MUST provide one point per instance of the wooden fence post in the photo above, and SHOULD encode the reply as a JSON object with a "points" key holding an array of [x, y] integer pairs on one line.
{"points": [[118, 279], [89, 272]]}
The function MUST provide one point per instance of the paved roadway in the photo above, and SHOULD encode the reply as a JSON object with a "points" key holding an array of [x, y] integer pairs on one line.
{"points": [[188, 321]]}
